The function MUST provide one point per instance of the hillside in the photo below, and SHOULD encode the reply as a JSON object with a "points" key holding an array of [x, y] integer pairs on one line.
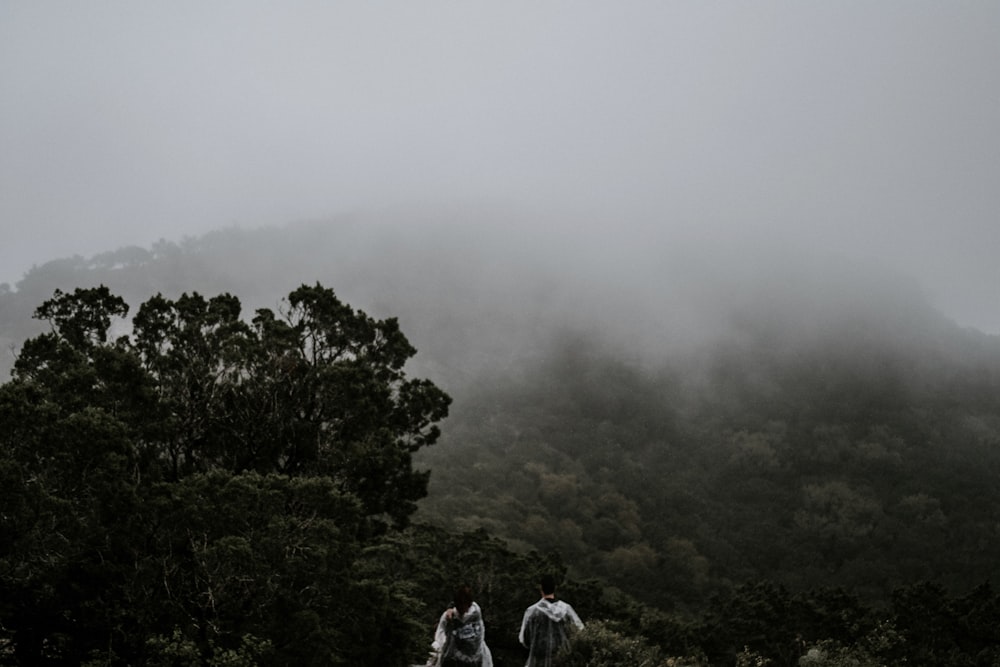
{"points": [[862, 468], [675, 428]]}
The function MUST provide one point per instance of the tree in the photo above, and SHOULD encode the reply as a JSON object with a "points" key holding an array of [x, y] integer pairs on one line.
{"points": [[319, 391], [205, 487]]}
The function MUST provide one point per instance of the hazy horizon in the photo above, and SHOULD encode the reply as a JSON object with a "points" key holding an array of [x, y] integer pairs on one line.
{"points": [[862, 130]]}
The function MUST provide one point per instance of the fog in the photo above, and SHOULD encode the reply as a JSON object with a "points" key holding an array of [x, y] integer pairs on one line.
{"points": [[699, 131]]}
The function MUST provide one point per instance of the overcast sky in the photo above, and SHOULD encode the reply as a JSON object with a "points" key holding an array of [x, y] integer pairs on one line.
{"points": [[866, 127]]}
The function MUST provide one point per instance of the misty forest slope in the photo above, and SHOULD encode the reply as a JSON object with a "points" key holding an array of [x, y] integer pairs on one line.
{"points": [[668, 428], [866, 471]]}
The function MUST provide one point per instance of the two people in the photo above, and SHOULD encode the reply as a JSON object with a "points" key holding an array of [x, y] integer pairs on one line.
{"points": [[460, 638]]}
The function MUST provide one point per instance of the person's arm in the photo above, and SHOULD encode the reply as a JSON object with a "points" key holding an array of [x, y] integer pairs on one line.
{"points": [[440, 636], [574, 619], [524, 636], [481, 631]]}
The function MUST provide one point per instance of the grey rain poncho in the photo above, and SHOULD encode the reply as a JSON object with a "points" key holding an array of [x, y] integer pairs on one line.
{"points": [[462, 640], [545, 628]]}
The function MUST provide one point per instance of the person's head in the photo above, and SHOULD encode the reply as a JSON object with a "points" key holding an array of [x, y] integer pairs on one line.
{"points": [[463, 598], [548, 585]]}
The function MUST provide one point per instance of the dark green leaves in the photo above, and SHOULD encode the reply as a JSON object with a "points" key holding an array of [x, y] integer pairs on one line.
{"points": [[202, 490], [83, 317]]}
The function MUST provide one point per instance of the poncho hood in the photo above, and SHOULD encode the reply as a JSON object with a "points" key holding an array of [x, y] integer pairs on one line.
{"points": [[557, 610]]}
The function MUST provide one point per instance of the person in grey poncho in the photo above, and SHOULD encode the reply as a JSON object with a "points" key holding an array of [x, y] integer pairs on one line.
{"points": [[546, 626], [460, 639]]}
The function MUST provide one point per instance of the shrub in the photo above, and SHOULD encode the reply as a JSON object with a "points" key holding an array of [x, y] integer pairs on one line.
{"points": [[600, 645]]}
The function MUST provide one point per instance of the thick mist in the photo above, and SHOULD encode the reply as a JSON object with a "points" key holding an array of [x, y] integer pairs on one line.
{"points": [[861, 130], [486, 293]]}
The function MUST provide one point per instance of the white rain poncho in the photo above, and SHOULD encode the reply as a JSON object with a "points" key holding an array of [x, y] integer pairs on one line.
{"points": [[462, 640], [545, 628]]}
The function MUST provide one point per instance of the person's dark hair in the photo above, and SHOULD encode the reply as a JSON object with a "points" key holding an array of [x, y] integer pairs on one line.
{"points": [[548, 584], [463, 598]]}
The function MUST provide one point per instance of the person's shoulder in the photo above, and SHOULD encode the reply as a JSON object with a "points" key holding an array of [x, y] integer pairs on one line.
{"points": [[563, 608], [569, 606]]}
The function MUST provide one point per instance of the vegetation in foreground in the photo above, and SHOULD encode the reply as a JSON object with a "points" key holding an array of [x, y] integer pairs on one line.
{"points": [[188, 487]]}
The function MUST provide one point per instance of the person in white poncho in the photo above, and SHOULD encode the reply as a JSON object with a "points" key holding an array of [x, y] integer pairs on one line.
{"points": [[460, 638], [546, 625]]}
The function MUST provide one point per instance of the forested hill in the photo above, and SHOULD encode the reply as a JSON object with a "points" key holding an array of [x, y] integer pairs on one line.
{"points": [[867, 467], [674, 428]]}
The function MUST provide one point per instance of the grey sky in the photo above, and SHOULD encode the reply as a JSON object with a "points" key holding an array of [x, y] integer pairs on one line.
{"points": [[868, 128]]}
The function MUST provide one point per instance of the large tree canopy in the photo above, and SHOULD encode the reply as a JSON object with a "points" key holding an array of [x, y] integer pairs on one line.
{"points": [[202, 486]]}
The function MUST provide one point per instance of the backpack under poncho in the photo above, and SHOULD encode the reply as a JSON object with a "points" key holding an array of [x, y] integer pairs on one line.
{"points": [[463, 639]]}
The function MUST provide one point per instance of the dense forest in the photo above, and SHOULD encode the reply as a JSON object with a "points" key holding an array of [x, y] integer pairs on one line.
{"points": [[208, 464]]}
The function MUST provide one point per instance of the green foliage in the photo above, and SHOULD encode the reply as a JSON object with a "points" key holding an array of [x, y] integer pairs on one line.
{"points": [[950, 631], [851, 446], [748, 658], [767, 465], [598, 645], [178, 651], [845, 466], [205, 490], [758, 617], [832, 654], [320, 391]]}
